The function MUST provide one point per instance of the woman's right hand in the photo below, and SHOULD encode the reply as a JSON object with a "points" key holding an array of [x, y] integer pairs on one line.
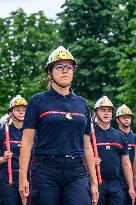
{"points": [[7, 155], [23, 189], [97, 160]]}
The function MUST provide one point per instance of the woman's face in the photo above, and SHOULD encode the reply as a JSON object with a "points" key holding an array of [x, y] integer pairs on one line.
{"points": [[19, 112], [62, 72]]}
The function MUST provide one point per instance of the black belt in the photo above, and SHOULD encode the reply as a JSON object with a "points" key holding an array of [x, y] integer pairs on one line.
{"points": [[67, 156]]}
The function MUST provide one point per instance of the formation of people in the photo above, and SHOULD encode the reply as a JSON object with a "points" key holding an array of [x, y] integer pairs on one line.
{"points": [[53, 134]]}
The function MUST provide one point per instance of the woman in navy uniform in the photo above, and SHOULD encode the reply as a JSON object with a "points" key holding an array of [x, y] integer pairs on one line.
{"points": [[113, 152], [124, 119], [62, 121], [9, 194]]}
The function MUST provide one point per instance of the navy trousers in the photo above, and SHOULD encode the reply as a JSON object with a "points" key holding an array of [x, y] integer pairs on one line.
{"points": [[110, 193], [58, 181], [9, 195]]}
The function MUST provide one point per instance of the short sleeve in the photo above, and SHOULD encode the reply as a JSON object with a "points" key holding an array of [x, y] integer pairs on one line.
{"points": [[125, 146], [31, 114], [88, 117]]}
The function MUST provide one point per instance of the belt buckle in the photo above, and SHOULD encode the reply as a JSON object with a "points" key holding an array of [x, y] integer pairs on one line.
{"points": [[69, 156]]}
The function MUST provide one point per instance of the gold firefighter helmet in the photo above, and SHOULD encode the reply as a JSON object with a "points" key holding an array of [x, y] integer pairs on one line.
{"points": [[59, 54], [18, 100], [103, 102], [123, 110]]}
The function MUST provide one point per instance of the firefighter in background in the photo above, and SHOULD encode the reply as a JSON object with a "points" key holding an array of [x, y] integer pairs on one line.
{"points": [[113, 152], [62, 121], [124, 119], [9, 194]]}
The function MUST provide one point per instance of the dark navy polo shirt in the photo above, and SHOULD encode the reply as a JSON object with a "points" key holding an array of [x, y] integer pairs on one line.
{"points": [[15, 144], [111, 146], [60, 121], [131, 140]]}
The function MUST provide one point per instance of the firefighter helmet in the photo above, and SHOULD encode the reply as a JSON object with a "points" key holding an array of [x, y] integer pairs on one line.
{"points": [[103, 102], [18, 100], [59, 54], [123, 110]]}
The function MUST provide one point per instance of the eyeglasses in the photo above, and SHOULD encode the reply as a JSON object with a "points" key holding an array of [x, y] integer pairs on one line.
{"points": [[61, 67]]}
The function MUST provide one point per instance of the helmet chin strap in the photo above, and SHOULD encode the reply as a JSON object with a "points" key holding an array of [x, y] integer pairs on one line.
{"points": [[102, 120], [62, 86], [16, 117], [123, 123]]}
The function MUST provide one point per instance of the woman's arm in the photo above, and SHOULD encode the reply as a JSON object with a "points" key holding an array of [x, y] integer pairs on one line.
{"points": [[89, 157], [25, 153]]}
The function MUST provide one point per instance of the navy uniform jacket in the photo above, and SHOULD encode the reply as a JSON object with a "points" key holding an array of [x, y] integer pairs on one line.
{"points": [[131, 140], [60, 121], [111, 146]]}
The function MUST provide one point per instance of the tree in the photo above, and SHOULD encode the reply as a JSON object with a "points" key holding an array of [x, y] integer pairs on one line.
{"points": [[25, 44], [127, 65], [95, 31]]}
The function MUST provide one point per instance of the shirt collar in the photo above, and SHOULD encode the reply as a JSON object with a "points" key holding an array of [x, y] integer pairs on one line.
{"points": [[12, 126], [126, 133], [108, 130], [53, 92]]}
